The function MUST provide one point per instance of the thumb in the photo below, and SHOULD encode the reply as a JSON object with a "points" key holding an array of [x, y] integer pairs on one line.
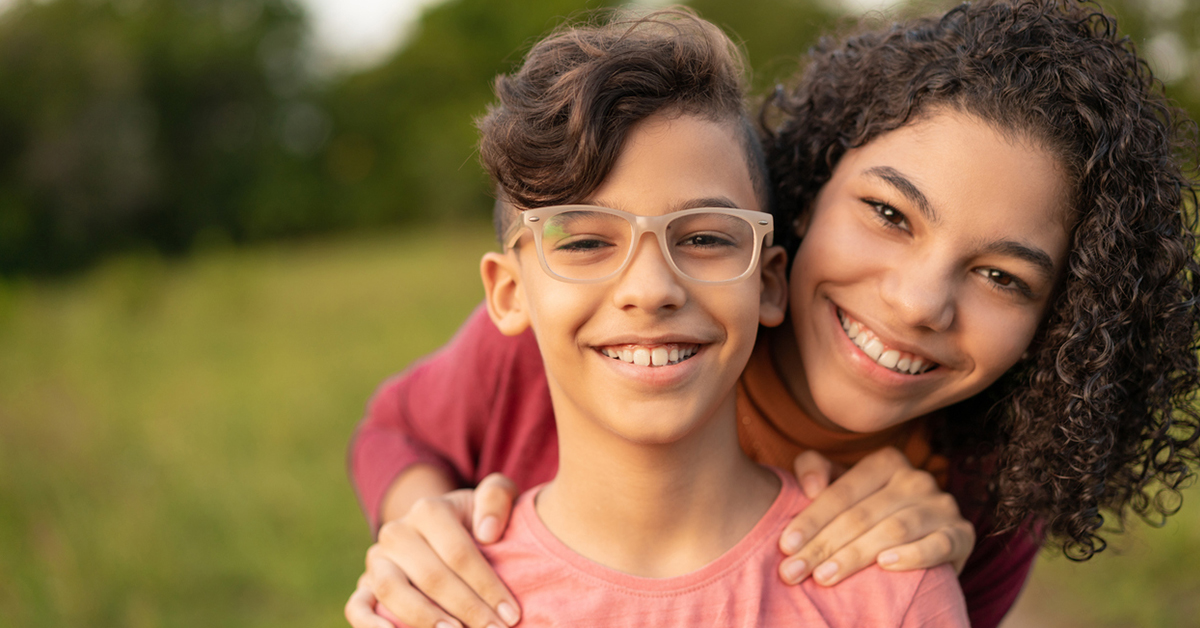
{"points": [[493, 505], [813, 472]]}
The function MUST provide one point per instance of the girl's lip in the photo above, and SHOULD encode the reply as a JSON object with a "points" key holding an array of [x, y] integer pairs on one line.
{"points": [[869, 366]]}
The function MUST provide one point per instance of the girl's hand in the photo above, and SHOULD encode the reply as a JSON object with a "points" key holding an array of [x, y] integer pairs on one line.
{"points": [[426, 569], [880, 511]]}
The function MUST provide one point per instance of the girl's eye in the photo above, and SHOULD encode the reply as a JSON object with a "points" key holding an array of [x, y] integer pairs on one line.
{"points": [[1003, 281], [889, 215]]}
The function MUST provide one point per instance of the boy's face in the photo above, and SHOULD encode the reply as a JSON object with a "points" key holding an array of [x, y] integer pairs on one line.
{"points": [[666, 165]]}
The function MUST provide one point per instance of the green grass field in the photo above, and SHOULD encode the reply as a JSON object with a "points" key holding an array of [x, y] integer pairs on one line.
{"points": [[172, 440]]}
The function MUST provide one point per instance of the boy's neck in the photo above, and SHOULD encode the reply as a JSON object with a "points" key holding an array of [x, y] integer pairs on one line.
{"points": [[655, 510]]}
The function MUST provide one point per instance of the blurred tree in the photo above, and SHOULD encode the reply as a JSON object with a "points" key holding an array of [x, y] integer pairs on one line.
{"points": [[405, 145], [163, 123], [141, 122]]}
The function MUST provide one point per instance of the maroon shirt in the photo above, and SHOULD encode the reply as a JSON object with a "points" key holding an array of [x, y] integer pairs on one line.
{"points": [[482, 404]]}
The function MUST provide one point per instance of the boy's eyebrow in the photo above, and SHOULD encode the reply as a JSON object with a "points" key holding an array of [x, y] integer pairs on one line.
{"points": [[693, 203], [893, 177]]}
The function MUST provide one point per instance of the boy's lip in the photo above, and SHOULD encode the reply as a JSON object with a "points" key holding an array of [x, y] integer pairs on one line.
{"points": [[650, 354]]}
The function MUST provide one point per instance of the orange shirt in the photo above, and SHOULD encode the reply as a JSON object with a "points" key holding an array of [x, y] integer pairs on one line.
{"points": [[773, 429]]}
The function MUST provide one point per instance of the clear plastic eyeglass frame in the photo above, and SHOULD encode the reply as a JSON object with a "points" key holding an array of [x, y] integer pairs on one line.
{"points": [[762, 224]]}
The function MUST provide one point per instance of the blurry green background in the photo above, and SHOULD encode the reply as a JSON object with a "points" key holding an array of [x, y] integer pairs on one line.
{"points": [[211, 252]]}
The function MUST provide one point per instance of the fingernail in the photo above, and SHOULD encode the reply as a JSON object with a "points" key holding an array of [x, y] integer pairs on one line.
{"points": [[811, 485], [792, 542], [793, 571], [493, 626], [443, 624], [825, 571], [508, 613], [888, 558], [489, 530]]}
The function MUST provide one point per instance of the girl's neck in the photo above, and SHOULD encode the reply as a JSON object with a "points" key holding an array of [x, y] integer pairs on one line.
{"points": [[785, 354], [654, 511]]}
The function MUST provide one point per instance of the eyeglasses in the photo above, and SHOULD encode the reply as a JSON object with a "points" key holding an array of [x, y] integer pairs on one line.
{"points": [[586, 244]]}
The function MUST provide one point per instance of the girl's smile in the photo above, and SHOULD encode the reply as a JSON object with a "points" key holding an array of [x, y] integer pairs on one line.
{"points": [[926, 265]]}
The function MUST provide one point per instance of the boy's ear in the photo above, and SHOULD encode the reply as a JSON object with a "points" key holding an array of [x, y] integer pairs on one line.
{"points": [[773, 298], [503, 292]]}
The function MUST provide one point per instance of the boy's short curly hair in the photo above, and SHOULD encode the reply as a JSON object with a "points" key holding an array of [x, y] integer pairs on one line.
{"points": [[563, 116], [1101, 416]]}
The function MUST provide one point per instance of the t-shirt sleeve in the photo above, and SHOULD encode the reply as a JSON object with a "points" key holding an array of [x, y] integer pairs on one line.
{"points": [[437, 411], [995, 573], [937, 602]]}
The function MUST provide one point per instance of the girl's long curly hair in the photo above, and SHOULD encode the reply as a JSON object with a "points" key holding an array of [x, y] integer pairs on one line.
{"points": [[1101, 416]]}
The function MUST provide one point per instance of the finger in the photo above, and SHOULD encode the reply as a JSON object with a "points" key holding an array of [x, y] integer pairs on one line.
{"points": [[397, 597], [360, 608], [858, 483], [812, 472], [846, 526], [951, 544], [856, 537], [493, 505], [442, 561], [897, 528], [457, 550]]}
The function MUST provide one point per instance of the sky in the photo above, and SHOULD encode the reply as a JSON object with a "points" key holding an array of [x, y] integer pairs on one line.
{"points": [[353, 34], [356, 33]]}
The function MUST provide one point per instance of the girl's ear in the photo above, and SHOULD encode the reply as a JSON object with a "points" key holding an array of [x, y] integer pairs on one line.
{"points": [[773, 299], [800, 223], [503, 292]]}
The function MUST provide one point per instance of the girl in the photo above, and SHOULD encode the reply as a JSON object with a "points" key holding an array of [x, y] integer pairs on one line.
{"points": [[992, 257]]}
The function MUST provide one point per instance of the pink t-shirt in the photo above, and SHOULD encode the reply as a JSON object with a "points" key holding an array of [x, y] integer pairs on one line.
{"points": [[482, 405], [557, 587]]}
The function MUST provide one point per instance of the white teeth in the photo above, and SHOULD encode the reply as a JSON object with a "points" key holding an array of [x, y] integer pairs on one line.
{"points": [[889, 358], [892, 359], [874, 349], [646, 356]]}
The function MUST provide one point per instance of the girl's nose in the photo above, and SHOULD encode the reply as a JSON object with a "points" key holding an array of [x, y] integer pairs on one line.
{"points": [[649, 283], [921, 293]]}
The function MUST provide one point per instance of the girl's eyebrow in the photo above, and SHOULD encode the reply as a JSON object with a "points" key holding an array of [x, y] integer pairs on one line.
{"points": [[1010, 248], [1031, 254], [902, 185]]}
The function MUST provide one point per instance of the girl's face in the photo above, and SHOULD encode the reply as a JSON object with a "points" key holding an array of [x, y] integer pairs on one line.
{"points": [[926, 265]]}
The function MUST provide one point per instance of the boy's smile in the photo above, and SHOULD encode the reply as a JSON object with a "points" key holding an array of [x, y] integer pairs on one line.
{"points": [[926, 266], [648, 355]]}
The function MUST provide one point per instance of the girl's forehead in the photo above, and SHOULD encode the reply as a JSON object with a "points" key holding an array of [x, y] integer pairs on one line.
{"points": [[950, 163]]}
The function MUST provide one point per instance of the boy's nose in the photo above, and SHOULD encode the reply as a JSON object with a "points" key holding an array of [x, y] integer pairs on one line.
{"points": [[649, 283], [921, 293]]}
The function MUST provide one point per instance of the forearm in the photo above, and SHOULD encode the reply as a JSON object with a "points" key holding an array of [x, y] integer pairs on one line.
{"points": [[417, 481]]}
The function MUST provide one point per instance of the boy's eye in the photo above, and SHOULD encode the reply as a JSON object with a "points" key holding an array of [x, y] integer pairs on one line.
{"points": [[582, 244], [706, 240]]}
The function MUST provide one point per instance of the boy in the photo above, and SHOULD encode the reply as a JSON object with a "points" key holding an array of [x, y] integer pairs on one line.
{"points": [[638, 259]]}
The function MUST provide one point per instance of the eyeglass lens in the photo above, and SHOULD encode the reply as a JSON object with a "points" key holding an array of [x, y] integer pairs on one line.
{"points": [[704, 246]]}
